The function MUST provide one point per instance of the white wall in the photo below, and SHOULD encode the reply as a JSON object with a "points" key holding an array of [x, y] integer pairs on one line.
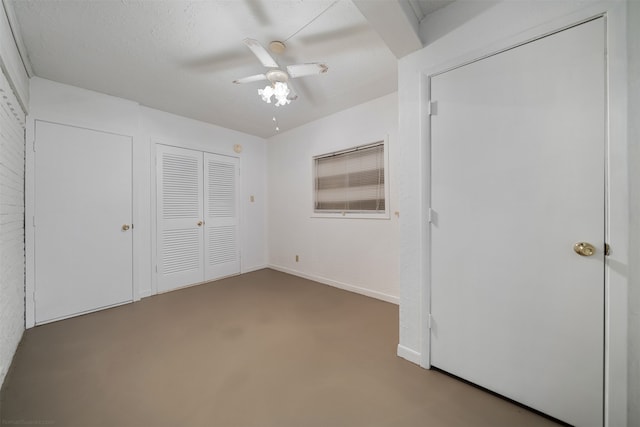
{"points": [[360, 255], [55, 102], [10, 60], [465, 31], [70, 105], [14, 93], [164, 128], [633, 25], [12, 262]]}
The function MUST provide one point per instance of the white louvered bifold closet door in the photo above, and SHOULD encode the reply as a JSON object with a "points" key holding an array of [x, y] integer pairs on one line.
{"points": [[221, 247], [180, 237]]}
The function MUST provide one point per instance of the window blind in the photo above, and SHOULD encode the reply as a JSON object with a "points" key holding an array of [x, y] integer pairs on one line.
{"points": [[351, 180]]}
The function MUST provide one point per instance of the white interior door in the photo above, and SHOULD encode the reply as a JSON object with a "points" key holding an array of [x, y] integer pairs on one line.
{"points": [[518, 177], [179, 217], [222, 251], [83, 197]]}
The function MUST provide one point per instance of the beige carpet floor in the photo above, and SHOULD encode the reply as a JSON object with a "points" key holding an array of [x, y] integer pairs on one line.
{"points": [[264, 349]]}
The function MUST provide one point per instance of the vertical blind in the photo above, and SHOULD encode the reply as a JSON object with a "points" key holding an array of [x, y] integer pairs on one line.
{"points": [[351, 180]]}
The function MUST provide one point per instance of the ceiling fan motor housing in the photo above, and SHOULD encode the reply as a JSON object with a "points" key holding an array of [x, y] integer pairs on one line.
{"points": [[277, 76]]}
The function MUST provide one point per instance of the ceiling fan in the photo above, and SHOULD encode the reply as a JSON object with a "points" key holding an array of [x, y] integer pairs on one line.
{"points": [[280, 86]]}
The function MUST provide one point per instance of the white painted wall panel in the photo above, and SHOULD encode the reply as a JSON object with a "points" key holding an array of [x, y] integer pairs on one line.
{"points": [[633, 47], [69, 105], [60, 103], [360, 255], [12, 261]]}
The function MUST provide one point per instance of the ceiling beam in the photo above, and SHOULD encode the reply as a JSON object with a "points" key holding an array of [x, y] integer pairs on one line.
{"points": [[395, 22]]}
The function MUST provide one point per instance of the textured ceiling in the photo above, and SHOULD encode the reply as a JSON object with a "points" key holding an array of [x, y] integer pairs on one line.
{"points": [[182, 56]]}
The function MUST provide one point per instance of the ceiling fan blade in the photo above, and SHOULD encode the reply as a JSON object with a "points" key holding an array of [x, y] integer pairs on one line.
{"points": [[302, 70], [256, 78], [261, 53]]}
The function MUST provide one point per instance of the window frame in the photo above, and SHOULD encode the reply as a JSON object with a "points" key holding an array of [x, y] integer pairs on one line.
{"points": [[354, 214]]}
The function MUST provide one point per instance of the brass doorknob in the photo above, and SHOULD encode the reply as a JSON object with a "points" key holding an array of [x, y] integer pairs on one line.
{"points": [[584, 249], [200, 223], [125, 227]]}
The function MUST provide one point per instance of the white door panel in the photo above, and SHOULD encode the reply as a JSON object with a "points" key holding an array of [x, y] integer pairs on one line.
{"points": [[83, 197], [197, 217], [222, 251], [518, 172], [179, 217]]}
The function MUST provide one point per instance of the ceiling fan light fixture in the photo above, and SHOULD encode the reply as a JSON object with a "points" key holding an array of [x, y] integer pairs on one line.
{"points": [[279, 87], [279, 90], [266, 93]]}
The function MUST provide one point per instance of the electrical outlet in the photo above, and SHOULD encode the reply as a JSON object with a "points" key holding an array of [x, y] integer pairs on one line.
{"points": [[252, 199], [297, 258]]}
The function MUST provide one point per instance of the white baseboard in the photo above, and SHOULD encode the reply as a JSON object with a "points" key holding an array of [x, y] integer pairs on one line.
{"points": [[145, 293], [408, 354], [149, 292], [345, 286], [254, 268]]}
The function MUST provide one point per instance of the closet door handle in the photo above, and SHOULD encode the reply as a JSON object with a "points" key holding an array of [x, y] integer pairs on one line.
{"points": [[200, 223]]}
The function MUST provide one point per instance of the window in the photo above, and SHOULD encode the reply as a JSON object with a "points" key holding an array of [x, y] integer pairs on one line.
{"points": [[351, 181]]}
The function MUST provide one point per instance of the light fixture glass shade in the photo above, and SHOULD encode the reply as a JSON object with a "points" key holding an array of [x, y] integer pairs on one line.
{"points": [[279, 90], [266, 94]]}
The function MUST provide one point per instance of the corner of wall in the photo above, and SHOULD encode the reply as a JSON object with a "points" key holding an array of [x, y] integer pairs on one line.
{"points": [[14, 64], [409, 354], [12, 263], [633, 52], [331, 250]]}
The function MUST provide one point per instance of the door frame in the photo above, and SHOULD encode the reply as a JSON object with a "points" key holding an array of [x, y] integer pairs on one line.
{"points": [[616, 188], [30, 201], [553, 67], [154, 207]]}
